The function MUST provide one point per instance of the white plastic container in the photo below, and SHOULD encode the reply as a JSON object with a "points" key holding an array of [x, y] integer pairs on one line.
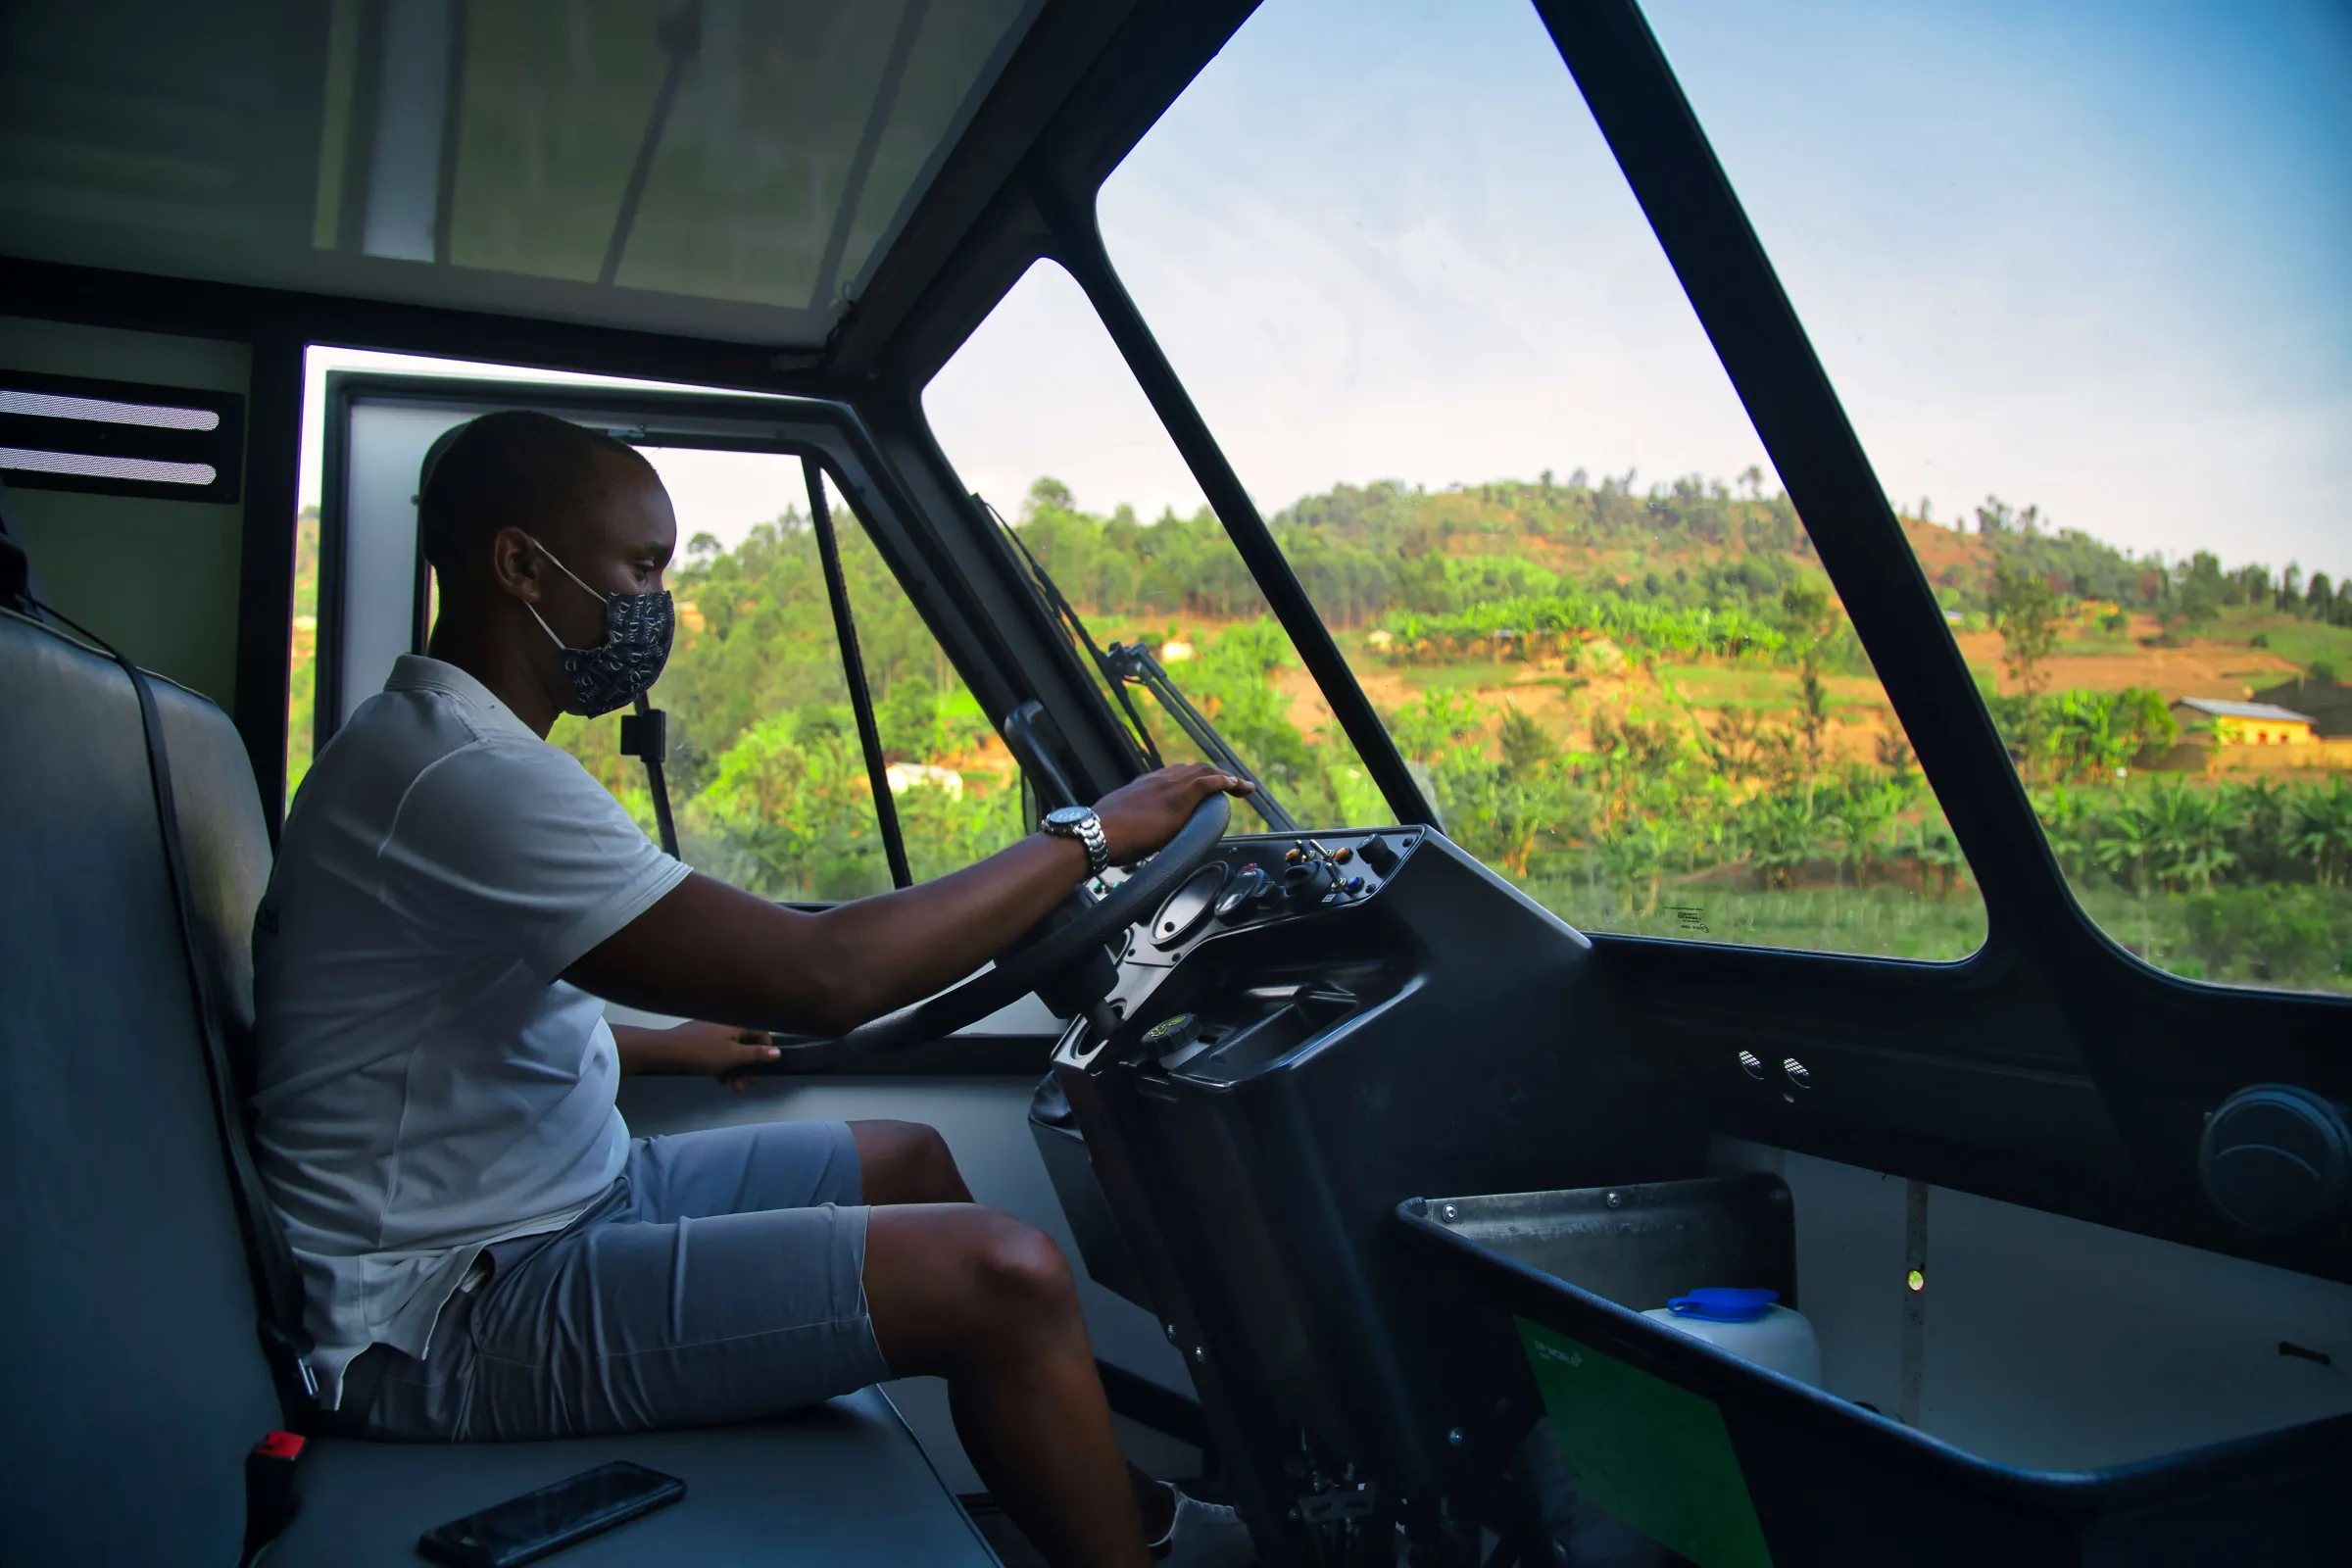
{"points": [[1750, 1325]]}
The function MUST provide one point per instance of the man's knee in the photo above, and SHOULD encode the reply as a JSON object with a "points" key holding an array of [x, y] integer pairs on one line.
{"points": [[1019, 1270], [906, 1162]]}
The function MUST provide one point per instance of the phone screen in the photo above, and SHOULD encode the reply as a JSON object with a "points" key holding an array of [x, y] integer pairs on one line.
{"points": [[526, 1527]]}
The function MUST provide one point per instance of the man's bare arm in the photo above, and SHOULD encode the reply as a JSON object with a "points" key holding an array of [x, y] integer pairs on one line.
{"points": [[709, 951]]}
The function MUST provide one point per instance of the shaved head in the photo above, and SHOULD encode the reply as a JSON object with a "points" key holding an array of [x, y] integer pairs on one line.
{"points": [[513, 468], [532, 524]]}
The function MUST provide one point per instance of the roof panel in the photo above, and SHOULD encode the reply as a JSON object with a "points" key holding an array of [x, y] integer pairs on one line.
{"points": [[2228, 709], [723, 169]]}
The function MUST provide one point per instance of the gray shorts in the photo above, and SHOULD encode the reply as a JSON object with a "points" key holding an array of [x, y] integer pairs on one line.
{"points": [[721, 1278]]}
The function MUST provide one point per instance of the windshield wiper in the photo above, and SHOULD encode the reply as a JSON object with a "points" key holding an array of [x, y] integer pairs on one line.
{"points": [[1133, 663], [1125, 666]]}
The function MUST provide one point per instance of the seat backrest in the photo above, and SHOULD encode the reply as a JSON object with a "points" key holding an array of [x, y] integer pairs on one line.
{"points": [[136, 1383]]}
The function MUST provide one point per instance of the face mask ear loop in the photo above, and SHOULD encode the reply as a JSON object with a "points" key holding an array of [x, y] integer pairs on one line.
{"points": [[561, 646], [569, 572]]}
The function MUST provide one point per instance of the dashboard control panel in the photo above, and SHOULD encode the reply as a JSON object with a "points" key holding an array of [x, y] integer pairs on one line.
{"points": [[1260, 879]]}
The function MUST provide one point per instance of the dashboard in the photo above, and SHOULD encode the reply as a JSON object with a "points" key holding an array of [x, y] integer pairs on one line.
{"points": [[1274, 940]]}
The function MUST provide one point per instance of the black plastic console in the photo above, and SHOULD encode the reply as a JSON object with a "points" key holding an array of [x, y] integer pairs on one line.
{"points": [[1288, 1069]]}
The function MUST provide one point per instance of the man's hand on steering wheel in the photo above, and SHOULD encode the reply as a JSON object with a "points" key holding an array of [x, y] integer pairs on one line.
{"points": [[1141, 816]]}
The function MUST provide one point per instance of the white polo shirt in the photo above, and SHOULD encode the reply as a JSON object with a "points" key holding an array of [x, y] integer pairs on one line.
{"points": [[426, 1084]]}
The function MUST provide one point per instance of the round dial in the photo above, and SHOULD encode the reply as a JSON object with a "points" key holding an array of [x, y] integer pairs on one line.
{"points": [[1189, 904]]}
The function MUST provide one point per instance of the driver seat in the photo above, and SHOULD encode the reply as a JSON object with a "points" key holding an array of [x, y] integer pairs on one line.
{"points": [[136, 1381]]}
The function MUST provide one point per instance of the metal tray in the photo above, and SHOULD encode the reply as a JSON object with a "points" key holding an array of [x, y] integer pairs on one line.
{"points": [[1645, 1243]]}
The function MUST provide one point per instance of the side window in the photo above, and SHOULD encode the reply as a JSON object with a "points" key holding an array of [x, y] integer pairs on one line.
{"points": [[1044, 421], [956, 788], [768, 781], [2105, 369], [1404, 282]]}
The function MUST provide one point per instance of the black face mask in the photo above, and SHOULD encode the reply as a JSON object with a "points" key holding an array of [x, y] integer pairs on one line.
{"points": [[638, 628]]}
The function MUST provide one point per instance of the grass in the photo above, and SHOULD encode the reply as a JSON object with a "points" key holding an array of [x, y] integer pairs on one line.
{"points": [[2288, 937], [2098, 645], [2300, 642], [1770, 689], [1878, 921]]}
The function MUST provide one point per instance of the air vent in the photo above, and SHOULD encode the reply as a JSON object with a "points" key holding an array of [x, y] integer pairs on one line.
{"points": [[120, 438]]}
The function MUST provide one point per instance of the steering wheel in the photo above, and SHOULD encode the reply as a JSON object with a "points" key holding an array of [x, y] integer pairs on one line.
{"points": [[1045, 953]]}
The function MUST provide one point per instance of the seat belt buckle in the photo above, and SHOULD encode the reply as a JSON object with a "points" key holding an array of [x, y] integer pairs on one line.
{"points": [[269, 1500]]}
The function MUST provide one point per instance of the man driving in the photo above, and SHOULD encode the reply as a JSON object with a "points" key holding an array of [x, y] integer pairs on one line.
{"points": [[486, 1252]]}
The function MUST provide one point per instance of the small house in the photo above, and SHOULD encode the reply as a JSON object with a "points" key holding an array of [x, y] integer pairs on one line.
{"points": [[2244, 723]]}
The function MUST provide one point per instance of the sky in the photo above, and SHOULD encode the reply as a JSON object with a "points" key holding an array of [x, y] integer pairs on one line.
{"points": [[2087, 256]]}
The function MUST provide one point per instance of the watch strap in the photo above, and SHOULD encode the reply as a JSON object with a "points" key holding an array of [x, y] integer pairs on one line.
{"points": [[1088, 831]]}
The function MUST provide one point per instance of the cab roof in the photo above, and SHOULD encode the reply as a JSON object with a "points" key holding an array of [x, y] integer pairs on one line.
{"points": [[725, 171]]}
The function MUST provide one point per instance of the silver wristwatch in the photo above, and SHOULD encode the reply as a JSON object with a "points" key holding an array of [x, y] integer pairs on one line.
{"points": [[1080, 823]]}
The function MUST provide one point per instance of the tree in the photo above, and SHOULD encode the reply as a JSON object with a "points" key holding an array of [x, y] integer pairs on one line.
{"points": [[1931, 846], [1858, 816], [2200, 593], [2321, 832], [1527, 746], [2025, 612], [1893, 748]]}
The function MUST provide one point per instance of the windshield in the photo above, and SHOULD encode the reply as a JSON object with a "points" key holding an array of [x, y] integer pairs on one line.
{"points": [[1404, 282], [2094, 333], [1038, 410]]}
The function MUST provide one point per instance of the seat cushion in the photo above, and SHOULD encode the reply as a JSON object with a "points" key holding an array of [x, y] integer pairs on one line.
{"points": [[843, 1483]]}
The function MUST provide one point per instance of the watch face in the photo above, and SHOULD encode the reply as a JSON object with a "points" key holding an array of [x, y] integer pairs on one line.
{"points": [[1069, 815]]}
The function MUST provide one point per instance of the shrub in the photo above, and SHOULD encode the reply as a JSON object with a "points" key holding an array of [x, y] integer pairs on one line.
{"points": [[2276, 934]]}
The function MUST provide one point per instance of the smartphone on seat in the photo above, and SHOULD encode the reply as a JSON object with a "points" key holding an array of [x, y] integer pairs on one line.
{"points": [[527, 1528]]}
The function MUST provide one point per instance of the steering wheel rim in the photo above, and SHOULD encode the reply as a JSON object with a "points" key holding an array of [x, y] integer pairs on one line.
{"points": [[1022, 969]]}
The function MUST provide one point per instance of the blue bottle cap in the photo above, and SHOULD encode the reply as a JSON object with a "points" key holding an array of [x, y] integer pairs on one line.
{"points": [[1717, 1303]]}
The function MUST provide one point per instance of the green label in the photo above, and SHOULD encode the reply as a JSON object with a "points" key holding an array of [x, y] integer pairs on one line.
{"points": [[1654, 1455]]}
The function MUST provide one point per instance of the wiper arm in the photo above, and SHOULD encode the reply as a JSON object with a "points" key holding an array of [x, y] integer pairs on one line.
{"points": [[1132, 662], [1068, 613], [1125, 666]]}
